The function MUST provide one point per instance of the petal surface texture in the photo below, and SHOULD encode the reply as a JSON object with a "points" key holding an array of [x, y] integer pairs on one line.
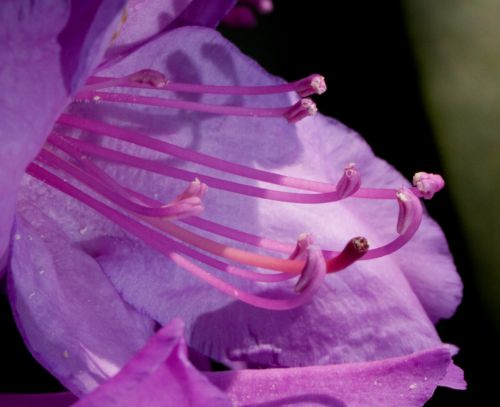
{"points": [[70, 316], [406, 382]]}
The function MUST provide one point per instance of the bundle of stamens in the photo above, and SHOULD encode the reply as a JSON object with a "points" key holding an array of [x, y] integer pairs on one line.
{"points": [[150, 79], [158, 224]]}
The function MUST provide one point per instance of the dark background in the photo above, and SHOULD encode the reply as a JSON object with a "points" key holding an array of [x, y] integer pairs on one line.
{"points": [[363, 50]]}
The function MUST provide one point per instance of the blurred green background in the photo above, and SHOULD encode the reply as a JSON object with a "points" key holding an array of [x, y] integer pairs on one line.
{"points": [[457, 49], [419, 79]]}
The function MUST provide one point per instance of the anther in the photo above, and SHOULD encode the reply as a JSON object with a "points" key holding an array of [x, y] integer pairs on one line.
{"points": [[353, 251], [301, 109], [149, 77], [313, 84], [428, 184], [350, 181], [189, 202]]}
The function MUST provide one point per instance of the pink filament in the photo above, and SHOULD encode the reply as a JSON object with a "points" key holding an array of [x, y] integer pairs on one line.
{"points": [[304, 87]]}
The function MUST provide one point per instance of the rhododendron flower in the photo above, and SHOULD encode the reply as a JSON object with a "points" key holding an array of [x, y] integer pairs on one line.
{"points": [[163, 174]]}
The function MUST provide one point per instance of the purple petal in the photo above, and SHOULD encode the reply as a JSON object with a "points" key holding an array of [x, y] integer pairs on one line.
{"points": [[144, 20], [159, 375], [44, 56], [404, 382], [363, 314], [87, 34], [70, 316]]}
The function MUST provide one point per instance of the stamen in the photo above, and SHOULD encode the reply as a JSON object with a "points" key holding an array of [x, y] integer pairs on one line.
{"points": [[151, 79], [313, 84], [353, 251], [428, 184]]}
